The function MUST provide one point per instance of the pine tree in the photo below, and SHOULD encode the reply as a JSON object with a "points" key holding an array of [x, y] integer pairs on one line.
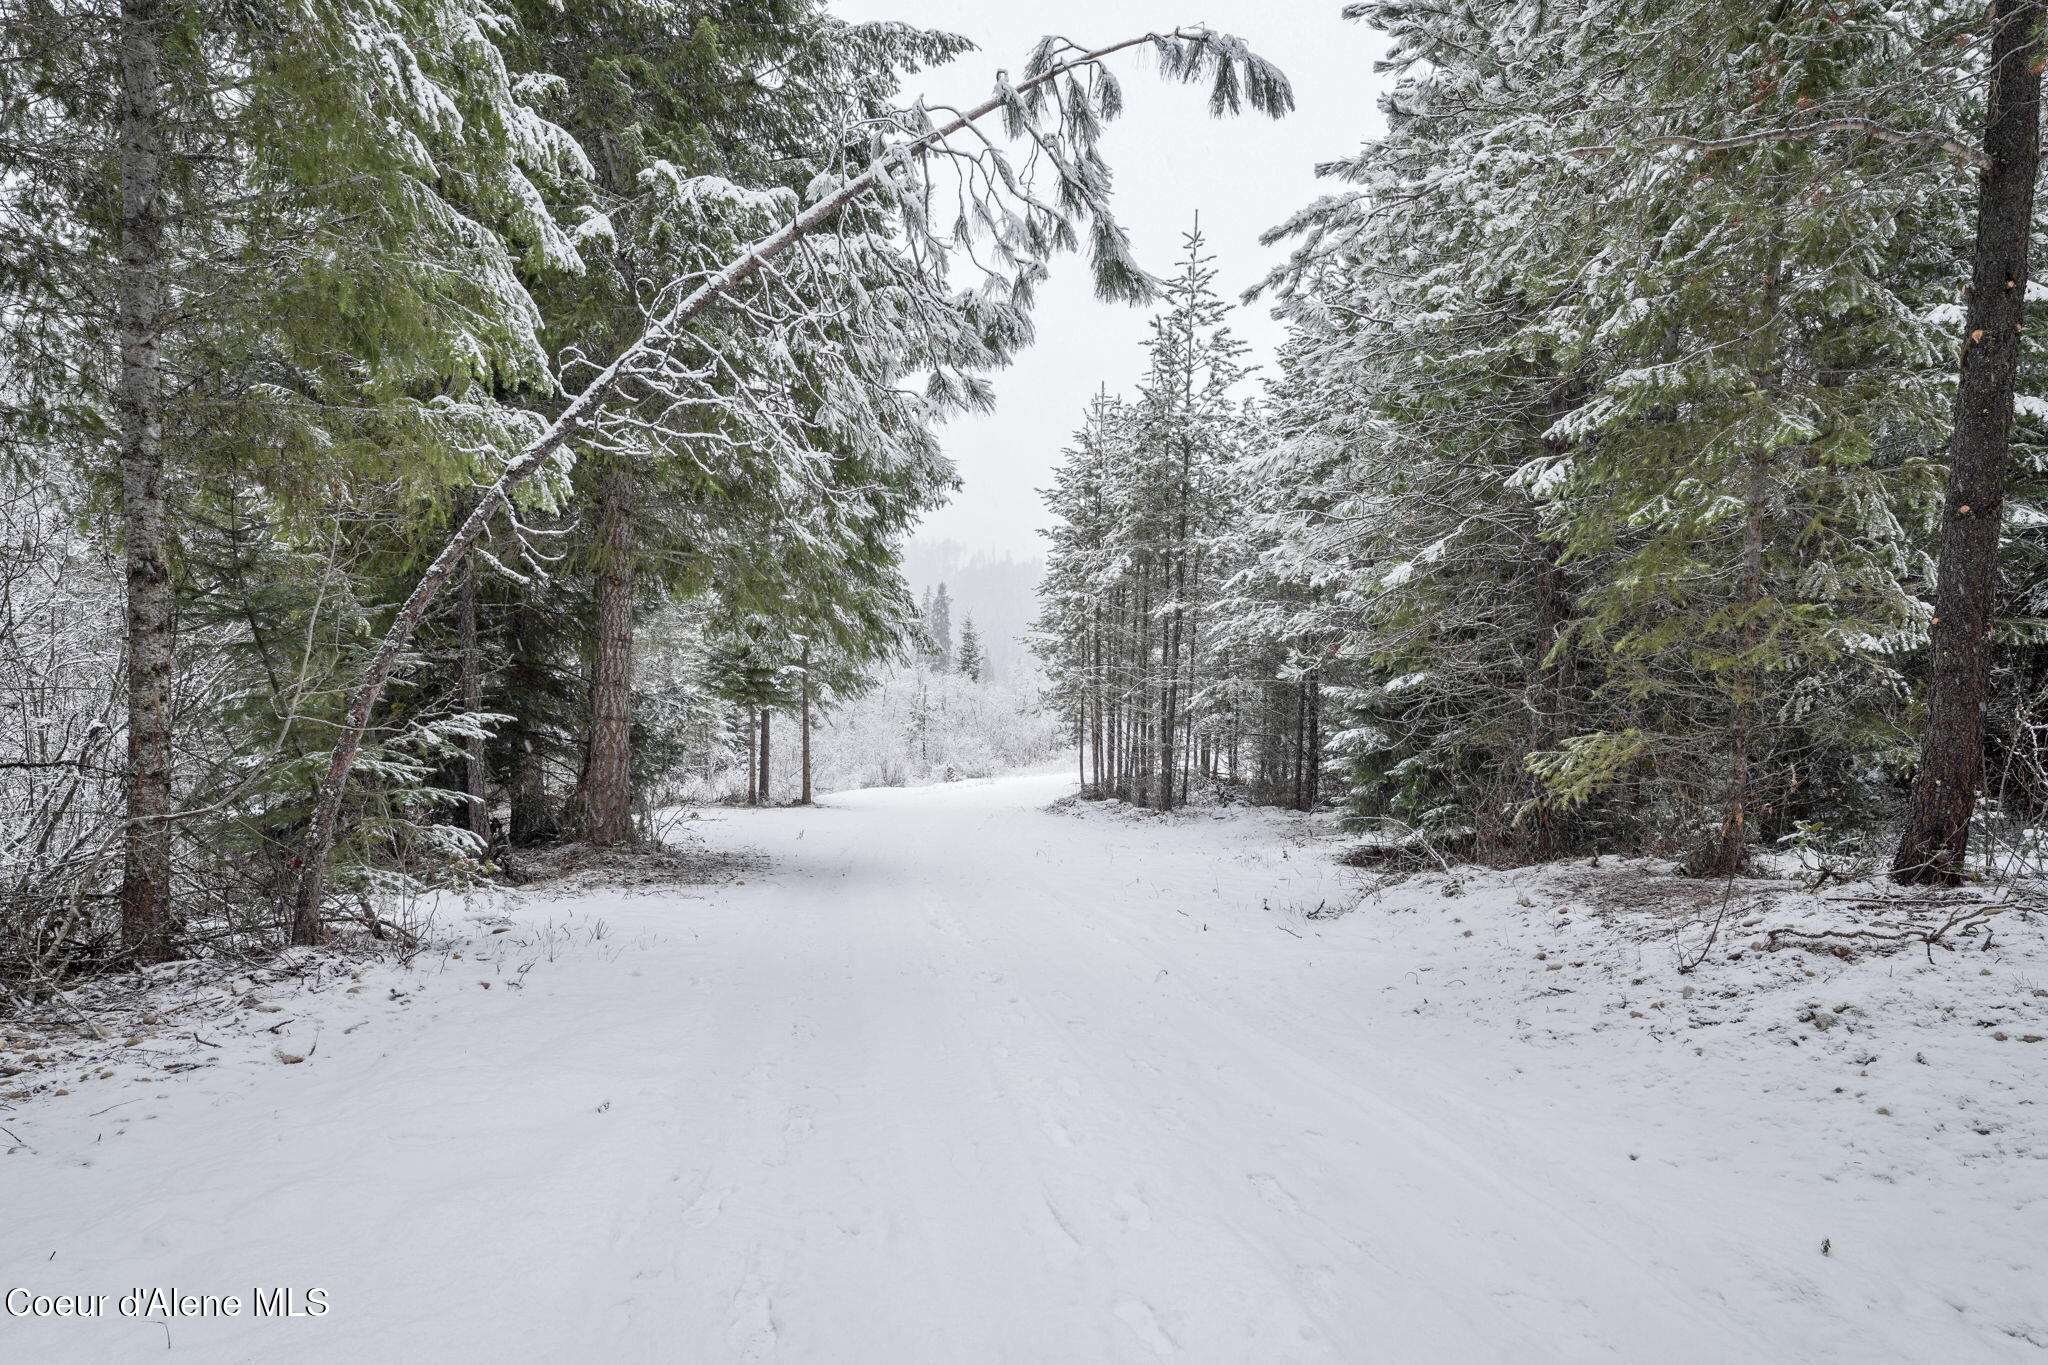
{"points": [[664, 94], [970, 661], [1146, 499], [938, 627]]}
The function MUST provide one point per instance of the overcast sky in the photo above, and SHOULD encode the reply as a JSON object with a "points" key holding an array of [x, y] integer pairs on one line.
{"points": [[1243, 175]]}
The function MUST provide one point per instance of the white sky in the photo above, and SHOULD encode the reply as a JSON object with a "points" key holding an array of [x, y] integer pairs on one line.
{"points": [[1243, 175]]}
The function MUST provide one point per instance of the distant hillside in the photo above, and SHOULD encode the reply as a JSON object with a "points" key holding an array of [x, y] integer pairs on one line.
{"points": [[998, 589]]}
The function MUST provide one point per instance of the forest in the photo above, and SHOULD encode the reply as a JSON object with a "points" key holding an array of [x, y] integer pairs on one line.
{"points": [[1556, 529], [1504, 817], [401, 369]]}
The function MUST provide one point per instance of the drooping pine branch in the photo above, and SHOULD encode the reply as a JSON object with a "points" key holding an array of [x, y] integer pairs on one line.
{"points": [[1870, 128]]}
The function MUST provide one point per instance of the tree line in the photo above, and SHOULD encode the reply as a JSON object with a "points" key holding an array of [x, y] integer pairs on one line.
{"points": [[1651, 462]]}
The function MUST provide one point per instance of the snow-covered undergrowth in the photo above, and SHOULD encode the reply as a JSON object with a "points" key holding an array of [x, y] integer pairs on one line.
{"points": [[190, 1015], [1911, 1052], [1894, 1056], [917, 724], [199, 1015]]}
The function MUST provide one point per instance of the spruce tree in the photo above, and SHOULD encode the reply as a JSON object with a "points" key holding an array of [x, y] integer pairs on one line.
{"points": [[1146, 501], [970, 661], [938, 627]]}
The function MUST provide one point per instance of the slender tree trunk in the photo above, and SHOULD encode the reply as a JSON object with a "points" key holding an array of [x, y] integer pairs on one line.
{"points": [[1115, 739], [533, 820], [804, 737], [1314, 758], [753, 757], [143, 306], [1095, 687], [1551, 672], [1236, 743], [767, 751], [1301, 741], [474, 778], [1172, 580], [1548, 679], [1148, 704], [1730, 849], [1935, 843], [607, 766]]}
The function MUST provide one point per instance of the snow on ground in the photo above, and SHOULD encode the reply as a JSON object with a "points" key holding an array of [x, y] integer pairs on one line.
{"points": [[953, 1078]]}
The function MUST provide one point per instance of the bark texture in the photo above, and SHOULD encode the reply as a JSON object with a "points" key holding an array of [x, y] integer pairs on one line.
{"points": [[1935, 841], [146, 922], [607, 784]]}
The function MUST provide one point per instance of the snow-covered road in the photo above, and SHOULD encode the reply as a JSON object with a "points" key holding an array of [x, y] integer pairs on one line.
{"points": [[959, 1081]]}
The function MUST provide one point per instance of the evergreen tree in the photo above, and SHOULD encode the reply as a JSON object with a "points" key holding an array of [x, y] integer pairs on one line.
{"points": [[1685, 443], [1145, 499], [971, 662], [316, 220], [669, 97], [938, 627]]}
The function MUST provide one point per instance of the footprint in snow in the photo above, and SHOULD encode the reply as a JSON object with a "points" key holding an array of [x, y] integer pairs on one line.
{"points": [[1138, 1316], [798, 1123], [704, 1208], [1134, 1211], [1061, 1235], [1274, 1193], [752, 1331]]}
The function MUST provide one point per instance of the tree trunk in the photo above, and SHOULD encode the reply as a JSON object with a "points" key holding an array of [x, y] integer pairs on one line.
{"points": [[1725, 855], [753, 758], [1547, 682], [607, 770], [1314, 755], [1172, 579], [767, 751], [1094, 692], [533, 821], [474, 778], [1147, 742], [1935, 843], [1551, 671], [804, 738], [138, 412]]}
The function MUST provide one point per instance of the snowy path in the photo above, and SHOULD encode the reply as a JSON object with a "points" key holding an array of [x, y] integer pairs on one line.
{"points": [[960, 1081]]}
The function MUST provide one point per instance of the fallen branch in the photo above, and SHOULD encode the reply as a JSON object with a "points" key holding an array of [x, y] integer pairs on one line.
{"points": [[1960, 920]]}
